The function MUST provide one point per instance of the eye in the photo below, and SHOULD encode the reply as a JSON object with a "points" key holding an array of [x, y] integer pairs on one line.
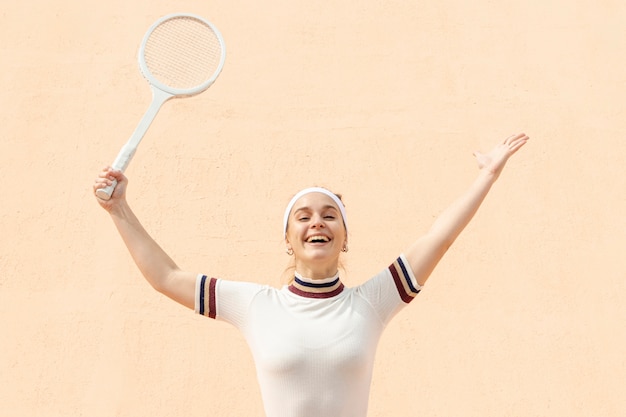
{"points": [[303, 218], [329, 217]]}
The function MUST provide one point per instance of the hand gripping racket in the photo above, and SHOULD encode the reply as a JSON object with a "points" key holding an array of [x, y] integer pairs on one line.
{"points": [[181, 55]]}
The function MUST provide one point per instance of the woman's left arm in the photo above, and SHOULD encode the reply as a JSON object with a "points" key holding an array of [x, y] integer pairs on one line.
{"points": [[428, 250]]}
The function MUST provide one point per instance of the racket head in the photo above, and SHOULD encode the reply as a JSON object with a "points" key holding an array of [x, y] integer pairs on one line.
{"points": [[182, 54]]}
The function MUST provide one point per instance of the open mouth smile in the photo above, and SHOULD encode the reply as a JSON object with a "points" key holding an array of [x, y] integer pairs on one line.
{"points": [[318, 239]]}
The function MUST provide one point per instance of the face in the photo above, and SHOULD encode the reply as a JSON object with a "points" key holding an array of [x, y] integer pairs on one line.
{"points": [[316, 234]]}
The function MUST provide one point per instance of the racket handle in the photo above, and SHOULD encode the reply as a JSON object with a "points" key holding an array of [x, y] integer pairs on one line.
{"points": [[124, 157], [128, 150], [105, 193], [120, 164]]}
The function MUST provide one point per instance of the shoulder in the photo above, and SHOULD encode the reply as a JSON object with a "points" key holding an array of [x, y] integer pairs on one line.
{"points": [[391, 288], [213, 294]]}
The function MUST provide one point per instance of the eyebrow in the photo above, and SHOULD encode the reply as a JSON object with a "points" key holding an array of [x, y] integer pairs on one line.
{"points": [[307, 208]]}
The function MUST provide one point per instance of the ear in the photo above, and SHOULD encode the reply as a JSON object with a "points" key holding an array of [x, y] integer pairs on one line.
{"points": [[289, 248]]}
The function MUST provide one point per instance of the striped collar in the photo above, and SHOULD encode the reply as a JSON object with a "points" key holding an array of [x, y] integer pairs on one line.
{"points": [[316, 288]]}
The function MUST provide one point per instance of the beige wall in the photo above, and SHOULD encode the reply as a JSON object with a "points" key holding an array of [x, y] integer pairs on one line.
{"points": [[381, 101]]}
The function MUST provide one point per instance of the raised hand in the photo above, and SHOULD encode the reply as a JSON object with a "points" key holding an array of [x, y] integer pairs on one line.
{"points": [[494, 161], [105, 178]]}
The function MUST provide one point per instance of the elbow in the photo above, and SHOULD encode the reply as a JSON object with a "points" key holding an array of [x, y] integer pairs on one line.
{"points": [[163, 282], [159, 286]]}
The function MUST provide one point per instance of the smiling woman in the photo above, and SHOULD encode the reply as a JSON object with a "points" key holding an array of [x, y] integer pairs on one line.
{"points": [[316, 232], [314, 340]]}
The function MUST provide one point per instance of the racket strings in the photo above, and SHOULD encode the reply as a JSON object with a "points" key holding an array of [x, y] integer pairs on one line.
{"points": [[183, 53]]}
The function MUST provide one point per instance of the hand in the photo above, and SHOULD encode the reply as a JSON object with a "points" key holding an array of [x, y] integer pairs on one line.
{"points": [[105, 178], [494, 161]]}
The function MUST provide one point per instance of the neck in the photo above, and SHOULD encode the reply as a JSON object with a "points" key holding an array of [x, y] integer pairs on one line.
{"points": [[316, 271]]}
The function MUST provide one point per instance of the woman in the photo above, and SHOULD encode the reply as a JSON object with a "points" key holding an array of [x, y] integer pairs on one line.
{"points": [[313, 341]]}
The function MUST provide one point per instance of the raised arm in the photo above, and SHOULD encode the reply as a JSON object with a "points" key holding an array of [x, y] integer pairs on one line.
{"points": [[428, 250], [155, 265]]}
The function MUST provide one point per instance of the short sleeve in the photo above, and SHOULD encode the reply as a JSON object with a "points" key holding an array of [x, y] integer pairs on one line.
{"points": [[224, 300], [391, 289]]}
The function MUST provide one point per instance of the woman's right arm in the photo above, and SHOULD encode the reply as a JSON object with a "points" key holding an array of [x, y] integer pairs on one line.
{"points": [[155, 265]]}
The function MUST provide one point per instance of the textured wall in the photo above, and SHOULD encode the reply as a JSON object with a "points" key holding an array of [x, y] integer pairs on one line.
{"points": [[381, 101]]}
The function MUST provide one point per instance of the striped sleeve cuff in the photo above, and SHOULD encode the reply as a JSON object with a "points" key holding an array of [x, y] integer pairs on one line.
{"points": [[205, 296], [406, 284]]}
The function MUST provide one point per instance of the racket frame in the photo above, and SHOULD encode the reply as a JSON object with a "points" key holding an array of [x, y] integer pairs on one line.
{"points": [[178, 92]]}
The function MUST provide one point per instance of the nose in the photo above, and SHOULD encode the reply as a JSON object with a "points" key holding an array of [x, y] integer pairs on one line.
{"points": [[318, 222]]}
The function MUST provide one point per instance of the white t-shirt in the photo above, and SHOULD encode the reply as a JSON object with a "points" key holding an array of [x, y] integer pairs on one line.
{"points": [[314, 341]]}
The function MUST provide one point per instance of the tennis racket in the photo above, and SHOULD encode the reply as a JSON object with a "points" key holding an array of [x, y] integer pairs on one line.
{"points": [[180, 55]]}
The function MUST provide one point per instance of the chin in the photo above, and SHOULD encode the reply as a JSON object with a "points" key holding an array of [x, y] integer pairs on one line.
{"points": [[321, 256]]}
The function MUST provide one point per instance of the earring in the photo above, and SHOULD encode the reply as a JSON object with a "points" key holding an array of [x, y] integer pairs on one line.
{"points": [[345, 247], [289, 251]]}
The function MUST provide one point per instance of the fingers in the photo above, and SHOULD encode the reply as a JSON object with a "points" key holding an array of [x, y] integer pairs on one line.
{"points": [[104, 178], [514, 139], [515, 142], [99, 183], [107, 177], [111, 174]]}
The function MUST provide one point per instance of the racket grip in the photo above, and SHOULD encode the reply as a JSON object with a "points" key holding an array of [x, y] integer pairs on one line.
{"points": [[120, 164], [105, 193]]}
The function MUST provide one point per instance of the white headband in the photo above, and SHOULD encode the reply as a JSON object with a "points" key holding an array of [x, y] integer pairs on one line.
{"points": [[296, 197]]}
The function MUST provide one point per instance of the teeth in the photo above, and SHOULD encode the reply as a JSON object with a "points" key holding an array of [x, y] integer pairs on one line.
{"points": [[317, 239]]}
